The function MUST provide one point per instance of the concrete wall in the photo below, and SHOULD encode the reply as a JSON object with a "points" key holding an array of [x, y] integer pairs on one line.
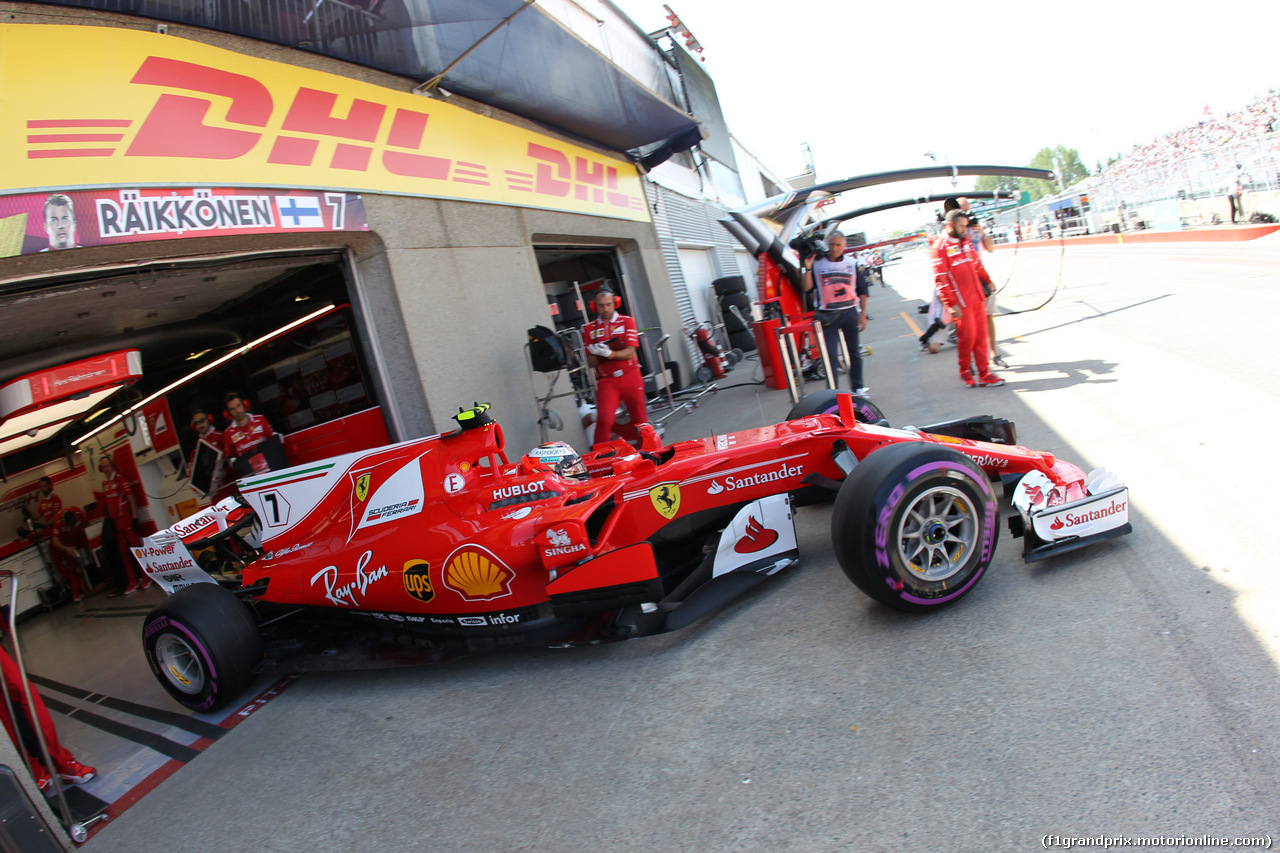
{"points": [[465, 281]]}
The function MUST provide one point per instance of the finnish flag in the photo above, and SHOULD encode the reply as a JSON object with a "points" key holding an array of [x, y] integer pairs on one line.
{"points": [[299, 211]]}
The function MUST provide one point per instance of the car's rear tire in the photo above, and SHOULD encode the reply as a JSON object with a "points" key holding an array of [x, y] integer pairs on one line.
{"points": [[202, 644], [827, 402], [915, 525]]}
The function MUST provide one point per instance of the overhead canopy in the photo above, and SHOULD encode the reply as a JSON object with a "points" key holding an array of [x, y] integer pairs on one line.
{"points": [[532, 66]]}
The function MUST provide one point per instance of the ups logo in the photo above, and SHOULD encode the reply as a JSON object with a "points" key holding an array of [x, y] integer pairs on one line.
{"points": [[417, 580]]}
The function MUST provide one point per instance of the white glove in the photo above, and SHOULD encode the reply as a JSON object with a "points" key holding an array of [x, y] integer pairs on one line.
{"points": [[601, 350]]}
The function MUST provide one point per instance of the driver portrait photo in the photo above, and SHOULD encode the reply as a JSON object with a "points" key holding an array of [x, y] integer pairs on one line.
{"points": [[60, 222]]}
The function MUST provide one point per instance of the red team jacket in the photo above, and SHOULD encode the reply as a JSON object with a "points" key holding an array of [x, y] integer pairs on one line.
{"points": [[237, 439], [619, 332], [115, 496], [72, 535], [958, 272]]}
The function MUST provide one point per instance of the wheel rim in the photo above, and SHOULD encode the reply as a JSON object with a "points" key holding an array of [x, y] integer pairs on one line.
{"points": [[938, 531], [180, 664]]}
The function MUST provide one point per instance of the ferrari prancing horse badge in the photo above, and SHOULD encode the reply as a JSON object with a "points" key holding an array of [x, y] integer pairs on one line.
{"points": [[666, 499]]}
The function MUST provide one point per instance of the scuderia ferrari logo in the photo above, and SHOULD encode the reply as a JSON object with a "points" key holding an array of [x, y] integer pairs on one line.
{"points": [[666, 499], [362, 487]]}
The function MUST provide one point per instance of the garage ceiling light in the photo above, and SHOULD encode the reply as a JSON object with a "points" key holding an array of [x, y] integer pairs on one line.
{"points": [[203, 370], [13, 444], [59, 413]]}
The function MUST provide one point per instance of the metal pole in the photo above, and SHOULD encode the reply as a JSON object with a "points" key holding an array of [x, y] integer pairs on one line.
{"points": [[826, 358], [76, 830], [786, 364]]}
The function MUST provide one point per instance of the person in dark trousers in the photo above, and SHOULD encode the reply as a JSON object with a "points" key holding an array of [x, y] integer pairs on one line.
{"points": [[842, 305], [1236, 199], [119, 523]]}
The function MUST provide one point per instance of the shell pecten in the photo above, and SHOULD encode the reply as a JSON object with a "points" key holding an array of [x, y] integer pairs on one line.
{"points": [[476, 574]]}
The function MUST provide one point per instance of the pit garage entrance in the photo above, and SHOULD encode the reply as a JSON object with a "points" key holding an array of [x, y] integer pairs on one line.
{"points": [[285, 330]]}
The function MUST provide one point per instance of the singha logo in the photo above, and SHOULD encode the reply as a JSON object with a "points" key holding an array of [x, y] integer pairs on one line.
{"points": [[558, 538]]}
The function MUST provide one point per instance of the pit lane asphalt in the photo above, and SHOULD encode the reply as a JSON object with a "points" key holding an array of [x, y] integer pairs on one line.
{"points": [[1126, 689]]}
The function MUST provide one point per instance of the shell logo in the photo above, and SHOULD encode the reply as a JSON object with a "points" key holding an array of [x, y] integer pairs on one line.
{"points": [[477, 575]]}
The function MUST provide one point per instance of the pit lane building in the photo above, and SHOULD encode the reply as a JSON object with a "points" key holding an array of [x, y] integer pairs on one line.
{"points": [[351, 212]]}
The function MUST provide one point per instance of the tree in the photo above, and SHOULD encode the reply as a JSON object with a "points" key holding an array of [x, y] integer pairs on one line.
{"points": [[1065, 161], [991, 183]]}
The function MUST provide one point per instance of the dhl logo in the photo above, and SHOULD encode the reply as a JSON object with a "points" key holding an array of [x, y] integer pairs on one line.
{"points": [[362, 137]]}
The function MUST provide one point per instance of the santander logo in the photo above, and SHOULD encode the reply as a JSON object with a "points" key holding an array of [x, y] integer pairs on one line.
{"points": [[715, 488], [756, 538], [1068, 519]]}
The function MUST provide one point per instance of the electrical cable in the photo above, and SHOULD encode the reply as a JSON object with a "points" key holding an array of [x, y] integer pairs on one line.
{"points": [[1062, 255]]}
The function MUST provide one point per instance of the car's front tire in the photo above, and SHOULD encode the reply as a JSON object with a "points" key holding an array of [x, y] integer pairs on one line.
{"points": [[827, 402], [202, 644], [915, 525]]}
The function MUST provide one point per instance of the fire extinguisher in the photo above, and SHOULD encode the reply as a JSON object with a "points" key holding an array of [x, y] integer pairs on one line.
{"points": [[712, 357]]}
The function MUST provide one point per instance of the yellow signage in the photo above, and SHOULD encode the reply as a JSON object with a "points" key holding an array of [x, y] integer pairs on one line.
{"points": [[138, 109]]}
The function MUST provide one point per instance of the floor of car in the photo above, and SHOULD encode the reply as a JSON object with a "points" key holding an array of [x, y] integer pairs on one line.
{"points": [[86, 660]]}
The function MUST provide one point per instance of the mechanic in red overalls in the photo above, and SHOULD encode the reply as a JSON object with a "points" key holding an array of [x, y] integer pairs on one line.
{"points": [[611, 341], [245, 432], [68, 541], [959, 275], [118, 521]]}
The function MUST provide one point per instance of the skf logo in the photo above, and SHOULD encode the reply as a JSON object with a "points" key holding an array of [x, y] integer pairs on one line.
{"points": [[417, 580], [477, 575], [757, 537], [666, 499], [362, 487]]}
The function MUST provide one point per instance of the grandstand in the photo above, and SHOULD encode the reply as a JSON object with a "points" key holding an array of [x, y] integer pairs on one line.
{"points": [[1179, 180]]}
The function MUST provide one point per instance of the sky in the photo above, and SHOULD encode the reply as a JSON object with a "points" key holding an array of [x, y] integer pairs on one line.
{"points": [[874, 86]]}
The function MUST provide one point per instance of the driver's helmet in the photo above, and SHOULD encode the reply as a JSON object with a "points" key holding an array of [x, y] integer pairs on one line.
{"points": [[560, 457]]}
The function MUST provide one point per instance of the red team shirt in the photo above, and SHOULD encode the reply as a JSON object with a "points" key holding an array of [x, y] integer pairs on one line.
{"points": [[72, 535], [620, 332], [214, 437], [959, 273], [115, 494], [50, 508], [238, 439]]}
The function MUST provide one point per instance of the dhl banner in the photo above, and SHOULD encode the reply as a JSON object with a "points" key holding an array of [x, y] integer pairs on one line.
{"points": [[137, 109], [32, 223]]}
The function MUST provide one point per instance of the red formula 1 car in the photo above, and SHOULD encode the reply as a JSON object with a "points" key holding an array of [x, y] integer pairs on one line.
{"points": [[436, 547]]}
